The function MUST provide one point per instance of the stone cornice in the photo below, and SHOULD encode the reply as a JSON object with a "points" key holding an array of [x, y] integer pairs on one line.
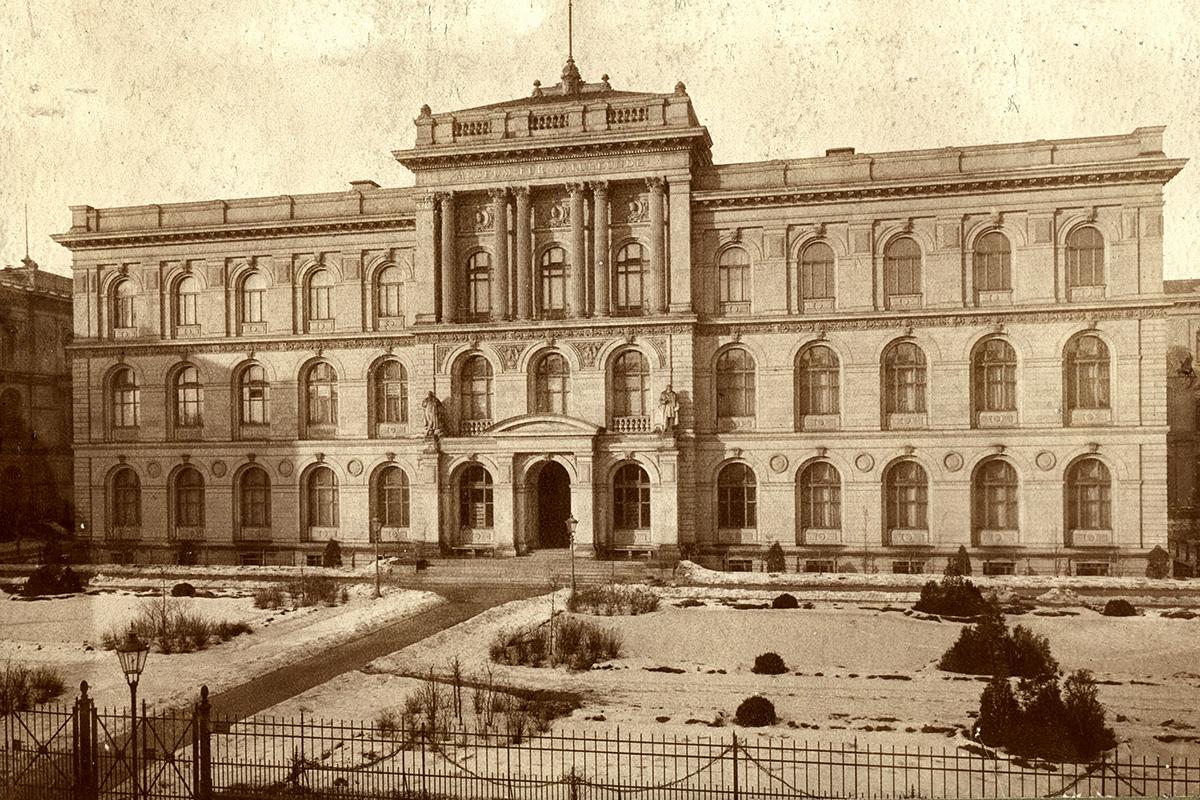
{"points": [[417, 160], [269, 230], [793, 196]]}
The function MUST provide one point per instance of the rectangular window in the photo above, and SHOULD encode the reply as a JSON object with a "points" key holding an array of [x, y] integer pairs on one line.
{"points": [[252, 305], [186, 312], [191, 508], [254, 404], [908, 567], [739, 565], [125, 312], [254, 559], [389, 300], [1092, 568], [819, 565], [319, 306], [999, 568]]}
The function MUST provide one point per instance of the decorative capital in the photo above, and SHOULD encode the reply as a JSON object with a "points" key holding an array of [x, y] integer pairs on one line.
{"points": [[656, 185], [574, 187], [521, 192], [498, 193], [426, 201]]}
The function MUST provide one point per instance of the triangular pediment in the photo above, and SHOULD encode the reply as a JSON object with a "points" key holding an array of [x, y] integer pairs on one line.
{"points": [[543, 425]]}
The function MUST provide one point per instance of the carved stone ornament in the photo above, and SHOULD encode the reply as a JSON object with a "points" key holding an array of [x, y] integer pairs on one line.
{"points": [[153, 469], [390, 456], [588, 351], [218, 469], [285, 467], [559, 215], [355, 467], [864, 462], [953, 462], [778, 463], [637, 210], [1045, 460], [733, 452], [1093, 447], [510, 355]]}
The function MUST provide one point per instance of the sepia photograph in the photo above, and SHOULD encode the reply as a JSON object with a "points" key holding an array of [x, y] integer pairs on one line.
{"points": [[599, 400]]}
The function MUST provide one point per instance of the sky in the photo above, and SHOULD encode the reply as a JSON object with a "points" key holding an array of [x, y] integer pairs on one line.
{"points": [[110, 104]]}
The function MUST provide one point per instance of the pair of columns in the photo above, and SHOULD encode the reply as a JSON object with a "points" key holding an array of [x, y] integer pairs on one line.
{"points": [[526, 273]]}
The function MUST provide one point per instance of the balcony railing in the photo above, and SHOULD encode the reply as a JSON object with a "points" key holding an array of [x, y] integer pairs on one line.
{"points": [[548, 122], [475, 427], [475, 127], [639, 424], [627, 116]]}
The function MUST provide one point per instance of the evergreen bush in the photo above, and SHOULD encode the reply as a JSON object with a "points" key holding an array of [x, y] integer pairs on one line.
{"points": [[1119, 607], [769, 664], [775, 558], [959, 564], [755, 712], [332, 555], [955, 596], [785, 600], [183, 590], [1158, 563]]}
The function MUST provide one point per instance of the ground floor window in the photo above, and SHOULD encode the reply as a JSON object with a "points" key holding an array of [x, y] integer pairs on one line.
{"points": [[250, 559], [999, 568], [908, 567], [1093, 568], [819, 565], [475, 498], [739, 565]]}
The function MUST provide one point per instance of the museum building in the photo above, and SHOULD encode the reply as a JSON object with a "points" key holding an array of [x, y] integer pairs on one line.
{"points": [[870, 359]]}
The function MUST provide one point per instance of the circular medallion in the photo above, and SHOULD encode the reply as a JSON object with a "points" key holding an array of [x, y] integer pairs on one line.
{"points": [[1045, 460], [355, 467], [864, 462], [153, 469], [953, 461], [218, 469], [778, 462], [285, 467]]}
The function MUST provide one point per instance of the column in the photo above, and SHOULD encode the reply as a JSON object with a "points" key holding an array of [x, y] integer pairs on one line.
{"points": [[523, 255], [657, 295], [499, 285], [602, 290], [449, 257], [578, 252]]}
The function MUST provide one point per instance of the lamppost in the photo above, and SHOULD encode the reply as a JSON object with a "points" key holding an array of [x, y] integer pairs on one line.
{"points": [[132, 652], [376, 527], [571, 522]]}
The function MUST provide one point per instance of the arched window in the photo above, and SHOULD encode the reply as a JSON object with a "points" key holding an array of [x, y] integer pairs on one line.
{"points": [[995, 495], [322, 393], [817, 382], [631, 498], [254, 498], [255, 394], [320, 296], [189, 498], [1085, 257], [388, 302], [631, 385], [125, 398], [123, 295], [735, 384], [322, 498], [475, 390], [902, 268], [391, 393], [993, 263], [552, 384], [187, 298], [907, 497], [475, 498], [733, 280], [8, 346], [816, 272], [126, 511], [188, 398], [994, 377], [820, 497], [1087, 379], [254, 295], [904, 379], [737, 500], [630, 278], [1089, 496], [479, 285], [391, 498], [552, 283]]}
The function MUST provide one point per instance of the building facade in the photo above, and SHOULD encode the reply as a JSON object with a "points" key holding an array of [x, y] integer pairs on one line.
{"points": [[870, 359], [36, 477]]}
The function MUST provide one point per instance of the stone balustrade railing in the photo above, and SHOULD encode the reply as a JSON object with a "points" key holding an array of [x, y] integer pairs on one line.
{"points": [[638, 424]]}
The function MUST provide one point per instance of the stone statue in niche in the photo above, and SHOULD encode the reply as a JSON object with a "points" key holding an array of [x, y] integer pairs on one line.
{"points": [[435, 416], [667, 411]]}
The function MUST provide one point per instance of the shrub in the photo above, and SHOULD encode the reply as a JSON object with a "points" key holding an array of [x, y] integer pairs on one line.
{"points": [[959, 564], [769, 664], [22, 687], [387, 723], [785, 600], [578, 644], [313, 589], [52, 579], [1158, 563], [183, 590], [955, 596], [166, 623], [332, 555], [988, 648], [613, 599], [998, 712], [1044, 720], [775, 559], [1085, 714], [269, 597], [227, 630], [1028, 654], [755, 712], [1119, 607]]}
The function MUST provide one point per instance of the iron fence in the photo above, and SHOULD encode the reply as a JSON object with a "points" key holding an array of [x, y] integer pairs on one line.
{"points": [[82, 752]]}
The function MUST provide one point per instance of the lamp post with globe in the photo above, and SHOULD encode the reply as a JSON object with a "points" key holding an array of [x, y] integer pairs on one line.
{"points": [[132, 652], [571, 522], [376, 529]]}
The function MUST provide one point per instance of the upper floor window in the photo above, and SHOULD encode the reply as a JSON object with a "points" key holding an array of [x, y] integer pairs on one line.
{"points": [[8, 346], [479, 285], [255, 394], [630, 279], [993, 263], [125, 398], [817, 381], [254, 498], [735, 383], [902, 268], [475, 389], [322, 393], [552, 384], [631, 498], [820, 497], [388, 299], [124, 293], [126, 501], [995, 493], [552, 283], [631, 385], [737, 501], [816, 272], [904, 379], [1085, 257], [907, 494], [188, 398], [189, 498], [733, 276], [391, 497], [187, 299], [475, 498], [322, 499], [1089, 496], [320, 295], [1087, 367], [254, 295], [391, 393], [994, 373]]}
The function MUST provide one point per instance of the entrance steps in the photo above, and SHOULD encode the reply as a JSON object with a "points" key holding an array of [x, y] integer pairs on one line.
{"points": [[541, 568]]}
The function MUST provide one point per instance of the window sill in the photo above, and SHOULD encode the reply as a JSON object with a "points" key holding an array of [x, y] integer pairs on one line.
{"points": [[820, 422], [1083, 417], [996, 419], [186, 433], [390, 324], [253, 535], [130, 434], [188, 533], [1076, 294], [999, 538], [320, 432], [907, 422], [817, 305], [998, 297], [124, 534], [624, 538], [740, 308], [250, 328], [902, 301], [908, 537], [1091, 538], [474, 427], [468, 537], [735, 423], [252, 431], [737, 536], [821, 536], [321, 325], [315, 534], [639, 424], [187, 331], [390, 430], [125, 333]]}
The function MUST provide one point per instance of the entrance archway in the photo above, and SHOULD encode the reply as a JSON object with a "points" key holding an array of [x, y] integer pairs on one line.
{"points": [[553, 505]]}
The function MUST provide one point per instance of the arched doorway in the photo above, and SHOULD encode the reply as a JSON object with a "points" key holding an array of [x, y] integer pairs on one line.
{"points": [[553, 505]]}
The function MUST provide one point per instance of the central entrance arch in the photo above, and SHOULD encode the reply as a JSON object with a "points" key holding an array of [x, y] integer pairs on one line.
{"points": [[553, 505]]}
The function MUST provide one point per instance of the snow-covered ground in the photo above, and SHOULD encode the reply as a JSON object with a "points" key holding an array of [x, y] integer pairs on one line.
{"points": [[65, 632]]}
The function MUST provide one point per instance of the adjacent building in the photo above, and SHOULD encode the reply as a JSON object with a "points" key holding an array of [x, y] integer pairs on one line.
{"points": [[871, 359]]}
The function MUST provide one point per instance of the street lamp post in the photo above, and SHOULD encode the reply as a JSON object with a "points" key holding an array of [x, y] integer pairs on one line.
{"points": [[571, 522], [132, 652], [376, 527]]}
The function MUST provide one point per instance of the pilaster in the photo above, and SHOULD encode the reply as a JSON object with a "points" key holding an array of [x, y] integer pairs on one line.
{"points": [[578, 252], [602, 289], [680, 198], [657, 263]]}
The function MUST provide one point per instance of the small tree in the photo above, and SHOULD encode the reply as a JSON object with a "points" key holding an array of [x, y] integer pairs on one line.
{"points": [[1084, 714], [775, 558], [755, 712], [959, 564], [1158, 563], [332, 557], [998, 712]]}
